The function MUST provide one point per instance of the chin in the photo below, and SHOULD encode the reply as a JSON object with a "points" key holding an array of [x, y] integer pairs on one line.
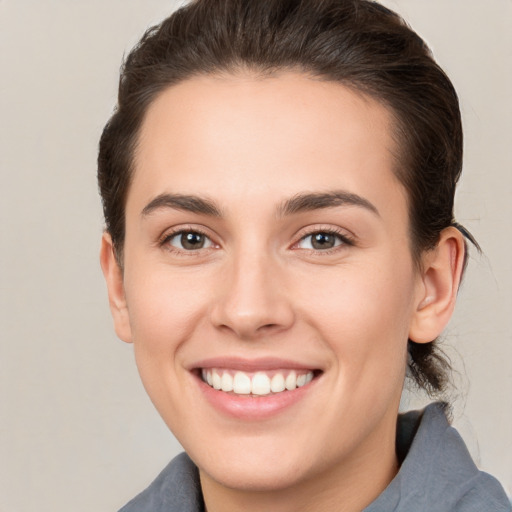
{"points": [[250, 476], [259, 464]]}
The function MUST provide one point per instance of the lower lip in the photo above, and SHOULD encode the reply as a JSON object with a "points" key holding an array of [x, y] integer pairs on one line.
{"points": [[252, 407]]}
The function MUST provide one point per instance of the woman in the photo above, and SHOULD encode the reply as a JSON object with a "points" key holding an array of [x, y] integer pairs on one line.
{"points": [[278, 185]]}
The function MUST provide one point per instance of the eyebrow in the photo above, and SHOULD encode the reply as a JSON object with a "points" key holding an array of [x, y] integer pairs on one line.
{"points": [[319, 200], [188, 203], [297, 204]]}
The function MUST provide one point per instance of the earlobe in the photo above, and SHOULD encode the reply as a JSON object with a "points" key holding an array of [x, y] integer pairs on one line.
{"points": [[437, 293], [115, 287]]}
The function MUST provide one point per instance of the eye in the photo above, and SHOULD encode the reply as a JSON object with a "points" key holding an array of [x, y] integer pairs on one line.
{"points": [[188, 241], [322, 240]]}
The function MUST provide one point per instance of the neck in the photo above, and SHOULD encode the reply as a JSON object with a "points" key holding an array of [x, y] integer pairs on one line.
{"points": [[349, 487]]}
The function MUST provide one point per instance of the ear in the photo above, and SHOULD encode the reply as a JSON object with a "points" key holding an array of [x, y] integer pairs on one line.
{"points": [[439, 282], [115, 286]]}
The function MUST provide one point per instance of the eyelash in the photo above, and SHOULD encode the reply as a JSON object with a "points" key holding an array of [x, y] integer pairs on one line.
{"points": [[168, 236], [345, 240], [341, 236]]}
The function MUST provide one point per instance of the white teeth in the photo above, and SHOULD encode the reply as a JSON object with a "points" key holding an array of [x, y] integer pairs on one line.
{"points": [[207, 376], [242, 384], [217, 382], [291, 381], [258, 384], [226, 382], [277, 383]]}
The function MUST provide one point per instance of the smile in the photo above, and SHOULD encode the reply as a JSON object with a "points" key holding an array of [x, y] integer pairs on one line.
{"points": [[260, 383]]}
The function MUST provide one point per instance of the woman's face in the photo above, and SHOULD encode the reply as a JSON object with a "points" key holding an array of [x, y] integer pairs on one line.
{"points": [[267, 244]]}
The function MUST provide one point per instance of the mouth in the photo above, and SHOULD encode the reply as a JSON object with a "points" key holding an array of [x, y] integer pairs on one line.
{"points": [[251, 390], [259, 383]]}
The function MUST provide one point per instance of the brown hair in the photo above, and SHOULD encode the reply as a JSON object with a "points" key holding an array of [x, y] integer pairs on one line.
{"points": [[358, 43]]}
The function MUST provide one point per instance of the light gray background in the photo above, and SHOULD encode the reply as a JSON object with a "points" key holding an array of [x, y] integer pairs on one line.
{"points": [[77, 432]]}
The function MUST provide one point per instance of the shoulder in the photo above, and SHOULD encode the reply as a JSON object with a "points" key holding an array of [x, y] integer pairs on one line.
{"points": [[454, 477], [176, 489], [437, 468]]}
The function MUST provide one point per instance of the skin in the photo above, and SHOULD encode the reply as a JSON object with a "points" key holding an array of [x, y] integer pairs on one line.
{"points": [[259, 289]]}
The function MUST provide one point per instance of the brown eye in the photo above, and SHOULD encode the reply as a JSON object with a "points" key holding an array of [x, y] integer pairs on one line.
{"points": [[321, 241], [189, 241]]}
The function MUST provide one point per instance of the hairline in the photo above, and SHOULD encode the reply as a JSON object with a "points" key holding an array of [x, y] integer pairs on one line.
{"points": [[257, 72]]}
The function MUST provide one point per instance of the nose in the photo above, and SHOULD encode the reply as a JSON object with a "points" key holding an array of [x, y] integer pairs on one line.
{"points": [[252, 300]]}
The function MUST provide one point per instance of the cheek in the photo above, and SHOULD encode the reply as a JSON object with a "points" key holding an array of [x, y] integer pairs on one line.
{"points": [[165, 307], [363, 313]]}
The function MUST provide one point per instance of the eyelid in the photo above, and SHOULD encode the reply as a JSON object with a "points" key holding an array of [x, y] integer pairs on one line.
{"points": [[346, 238], [170, 233]]}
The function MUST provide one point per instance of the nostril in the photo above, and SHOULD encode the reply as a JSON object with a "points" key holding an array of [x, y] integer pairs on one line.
{"points": [[267, 327]]}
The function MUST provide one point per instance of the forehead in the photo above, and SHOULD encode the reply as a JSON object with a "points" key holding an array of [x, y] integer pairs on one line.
{"points": [[240, 135]]}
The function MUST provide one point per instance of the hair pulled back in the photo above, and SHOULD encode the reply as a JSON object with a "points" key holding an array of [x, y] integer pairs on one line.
{"points": [[358, 43]]}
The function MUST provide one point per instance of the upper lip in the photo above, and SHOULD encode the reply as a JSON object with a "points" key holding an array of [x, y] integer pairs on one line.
{"points": [[251, 365]]}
